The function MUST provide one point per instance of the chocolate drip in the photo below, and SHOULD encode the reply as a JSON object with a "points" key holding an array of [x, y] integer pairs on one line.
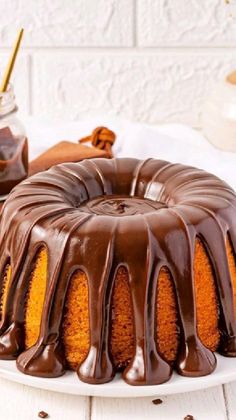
{"points": [[96, 216]]}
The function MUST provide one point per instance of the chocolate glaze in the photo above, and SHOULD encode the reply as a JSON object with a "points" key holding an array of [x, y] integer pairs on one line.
{"points": [[96, 216]]}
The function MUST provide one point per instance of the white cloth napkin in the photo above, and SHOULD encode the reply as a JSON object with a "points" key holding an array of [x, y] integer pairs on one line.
{"points": [[172, 142]]}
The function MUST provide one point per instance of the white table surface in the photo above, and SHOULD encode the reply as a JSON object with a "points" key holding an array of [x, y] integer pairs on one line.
{"points": [[20, 402]]}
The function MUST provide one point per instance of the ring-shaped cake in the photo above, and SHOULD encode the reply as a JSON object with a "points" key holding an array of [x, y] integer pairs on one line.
{"points": [[118, 264]]}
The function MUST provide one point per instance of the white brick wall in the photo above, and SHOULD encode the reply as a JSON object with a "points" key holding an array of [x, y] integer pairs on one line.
{"points": [[185, 23], [147, 60]]}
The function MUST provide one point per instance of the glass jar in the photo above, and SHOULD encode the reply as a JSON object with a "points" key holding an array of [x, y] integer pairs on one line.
{"points": [[218, 116], [13, 144], [231, 8]]}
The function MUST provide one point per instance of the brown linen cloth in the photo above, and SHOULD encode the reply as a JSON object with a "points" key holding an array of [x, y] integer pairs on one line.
{"points": [[101, 139], [64, 151]]}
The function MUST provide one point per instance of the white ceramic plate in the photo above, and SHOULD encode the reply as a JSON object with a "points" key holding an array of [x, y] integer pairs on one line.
{"points": [[70, 384]]}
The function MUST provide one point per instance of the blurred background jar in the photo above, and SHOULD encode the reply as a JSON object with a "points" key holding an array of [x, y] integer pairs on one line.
{"points": [[231, 10], [13, 144], [218, 118]]}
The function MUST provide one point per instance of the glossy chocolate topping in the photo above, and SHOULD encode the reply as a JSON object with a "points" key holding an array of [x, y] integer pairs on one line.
{"points": [[96, 216], [111, 205]]}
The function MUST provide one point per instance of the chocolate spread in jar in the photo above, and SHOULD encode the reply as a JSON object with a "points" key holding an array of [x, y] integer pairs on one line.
{"points": [[13, 160]]}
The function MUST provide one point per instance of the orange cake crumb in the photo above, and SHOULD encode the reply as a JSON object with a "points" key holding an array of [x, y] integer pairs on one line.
{"points": [[35, 298], [122, 331], [5, 286], [166, 316], [232, 268], [206, 298], [75, 328]]}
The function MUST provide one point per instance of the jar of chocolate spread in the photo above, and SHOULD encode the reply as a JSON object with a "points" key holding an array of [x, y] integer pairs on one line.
{"points": [[13, 144]]}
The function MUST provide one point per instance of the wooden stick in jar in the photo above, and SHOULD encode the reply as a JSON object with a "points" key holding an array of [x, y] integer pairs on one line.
{"points": [[11, 62]]}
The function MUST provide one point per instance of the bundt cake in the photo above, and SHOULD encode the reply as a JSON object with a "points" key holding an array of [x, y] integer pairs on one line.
{"points": [[118, 265]]}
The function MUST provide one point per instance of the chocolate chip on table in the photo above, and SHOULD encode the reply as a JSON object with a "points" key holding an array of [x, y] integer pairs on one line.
{"points": [[189, 417], [43, 415], [157, 401]]}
